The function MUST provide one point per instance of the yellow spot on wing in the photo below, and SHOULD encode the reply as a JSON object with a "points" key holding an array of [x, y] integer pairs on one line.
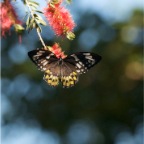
{"points": [[69, 81], [74, 78], [47, 76], [74, 73], [72, 82], [67, 84], [48, 72], [54, 83], [49, 81]]}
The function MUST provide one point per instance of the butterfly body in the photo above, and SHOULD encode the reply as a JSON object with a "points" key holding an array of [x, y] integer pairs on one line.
{"points": [[65, 70]]}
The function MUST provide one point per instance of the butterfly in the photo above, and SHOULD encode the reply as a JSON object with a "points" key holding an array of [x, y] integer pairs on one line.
{"points": [[66, 70]]}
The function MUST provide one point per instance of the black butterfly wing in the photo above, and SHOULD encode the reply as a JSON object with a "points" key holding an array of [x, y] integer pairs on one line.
{"points": [[83, 61], [46, 61], [66, 70], [42, 58], [76, 64]]}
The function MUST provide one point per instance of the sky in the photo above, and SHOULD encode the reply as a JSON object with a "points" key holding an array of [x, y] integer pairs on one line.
{"points": [[115, 9], [118, 10], [111, 10]]}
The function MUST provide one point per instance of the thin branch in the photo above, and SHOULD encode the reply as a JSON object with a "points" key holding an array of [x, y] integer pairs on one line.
{"points": [[39, 35]]}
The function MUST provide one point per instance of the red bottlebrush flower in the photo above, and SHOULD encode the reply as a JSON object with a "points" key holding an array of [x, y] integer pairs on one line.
{"points": [[8, 17], [56, 49], [59, 19]]}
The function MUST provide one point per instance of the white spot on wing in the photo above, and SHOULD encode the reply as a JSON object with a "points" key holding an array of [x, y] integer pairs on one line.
{"points": [[93, 62], [89, 61], [82, 70], [45, 63], [47, 57], [44, 68], [86, 54], [78, 65], [78, 71], [81, 63], [89, 57], [75, 57]]}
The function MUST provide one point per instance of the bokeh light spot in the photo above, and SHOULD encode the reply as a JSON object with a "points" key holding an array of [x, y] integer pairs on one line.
{"points": [[18, 53], [88, 39]]}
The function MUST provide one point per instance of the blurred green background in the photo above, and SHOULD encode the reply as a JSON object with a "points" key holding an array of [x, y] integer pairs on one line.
{"points": [[104, 107]]}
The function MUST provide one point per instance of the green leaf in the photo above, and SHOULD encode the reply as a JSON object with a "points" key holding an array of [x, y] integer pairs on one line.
{"points": [[53, 2], [31, 22], [28, 21], [39, 11], [34, 25], [31, 25], [52, 5], [38, 16], [42, 22], [68, 1], [18, 28], [33, 4], [39, 19], [70, 35], [39, 29]]}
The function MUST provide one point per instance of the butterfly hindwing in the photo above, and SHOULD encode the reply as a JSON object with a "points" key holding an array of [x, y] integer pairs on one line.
{"points": [[51, 79], [69, 76]]}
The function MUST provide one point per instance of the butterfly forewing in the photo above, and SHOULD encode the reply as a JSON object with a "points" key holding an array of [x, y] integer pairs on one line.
{"points": [[42, 58], [83, 61], [69, 76]]}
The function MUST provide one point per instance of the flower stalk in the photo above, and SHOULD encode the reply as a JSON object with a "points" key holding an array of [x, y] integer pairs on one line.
{"points": [[35, 23]]}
